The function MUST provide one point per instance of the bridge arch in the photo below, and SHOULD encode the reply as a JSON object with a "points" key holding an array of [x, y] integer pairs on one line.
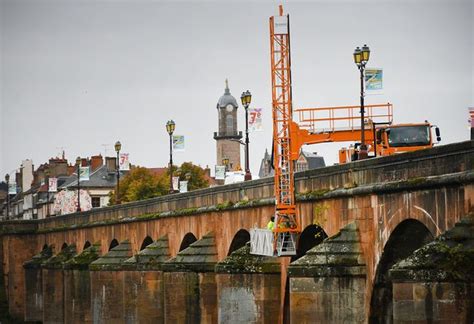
{"points": [[86, 245], [188, 239], [113, 244], [311, 236], [146, 241], [240, 238], [408, 236], [63, 246]]}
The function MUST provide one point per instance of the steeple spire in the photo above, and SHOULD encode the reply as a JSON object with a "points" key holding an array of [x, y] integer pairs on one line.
{"points": [[227, 91]]}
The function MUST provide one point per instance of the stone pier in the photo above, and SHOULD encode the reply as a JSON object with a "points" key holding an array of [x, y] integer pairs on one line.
{"points": [[327, 285], [190, 284], [143, 283], [436, 283], [34, 285], [107, 298], [249, 288], [77, 286]]}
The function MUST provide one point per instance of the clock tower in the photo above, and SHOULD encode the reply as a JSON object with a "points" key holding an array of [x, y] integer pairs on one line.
{"points": [[227, 137]]}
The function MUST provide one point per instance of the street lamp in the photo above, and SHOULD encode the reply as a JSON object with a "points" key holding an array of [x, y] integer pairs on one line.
{"points": [[246, 97], [225, 161], [170, 126], [46, 173], [361, 57], [118, 146], [78, 162], [7, 180]]}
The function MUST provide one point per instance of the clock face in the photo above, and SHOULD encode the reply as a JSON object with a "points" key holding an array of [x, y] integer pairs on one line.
{"points": [[229, 107]]}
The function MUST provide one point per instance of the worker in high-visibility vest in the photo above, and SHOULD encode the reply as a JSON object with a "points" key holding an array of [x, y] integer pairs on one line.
{"points": [[271, 223]]}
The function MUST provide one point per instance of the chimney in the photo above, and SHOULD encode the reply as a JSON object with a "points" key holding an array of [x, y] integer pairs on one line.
{"points": [[58, 167], [96, 162], [110, 162], [71, 169], [207, 172]]}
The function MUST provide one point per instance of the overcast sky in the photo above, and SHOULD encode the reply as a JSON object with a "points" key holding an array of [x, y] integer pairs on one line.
{"points": [[79, 74]]}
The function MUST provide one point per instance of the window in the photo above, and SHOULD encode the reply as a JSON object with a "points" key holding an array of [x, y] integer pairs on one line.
{"points": [[229, 123], [95, 202]]}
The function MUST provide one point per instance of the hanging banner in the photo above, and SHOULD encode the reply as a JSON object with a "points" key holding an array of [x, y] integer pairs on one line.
{"points": [[183, 186], [84, 173], [175, 183], [53, 185], [178, 143], [373, 81], [471, 116], [220, 172], [255, 119], [12, 188], [124, 163]]}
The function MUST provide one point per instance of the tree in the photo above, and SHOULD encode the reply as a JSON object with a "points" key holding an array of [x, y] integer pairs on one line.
{"points": [[194, 174], [138, 184]]}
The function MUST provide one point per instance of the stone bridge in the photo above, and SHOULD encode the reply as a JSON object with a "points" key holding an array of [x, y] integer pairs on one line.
{"points": [[396, 204]]}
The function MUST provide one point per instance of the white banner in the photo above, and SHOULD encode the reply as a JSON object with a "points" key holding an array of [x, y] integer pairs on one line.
{"points": [[12, 188], [220, 172], [255, 119], [175, 183], [84, 173], [53, 185], [373, 81], [183, 186], [178, 143], [124, 163]]}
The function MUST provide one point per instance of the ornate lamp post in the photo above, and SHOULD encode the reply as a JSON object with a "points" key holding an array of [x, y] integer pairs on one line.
{"points": [[78, 163], [118, 146], [361, 57], [246, 97], [46, 173], [7, 180], [170, 126]]}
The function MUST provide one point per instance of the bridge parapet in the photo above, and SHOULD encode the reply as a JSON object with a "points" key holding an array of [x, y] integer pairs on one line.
{"points": [[413, 167]]}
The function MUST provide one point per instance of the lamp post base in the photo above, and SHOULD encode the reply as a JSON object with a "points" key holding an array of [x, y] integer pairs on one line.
{"points": [[248, 176], [363, 154]]}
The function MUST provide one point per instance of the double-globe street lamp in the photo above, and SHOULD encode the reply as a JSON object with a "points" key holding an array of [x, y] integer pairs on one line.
{"points": [[7, 180], [246, 97], [170, 126], [361, 57], [118, 146], [78, 163]]}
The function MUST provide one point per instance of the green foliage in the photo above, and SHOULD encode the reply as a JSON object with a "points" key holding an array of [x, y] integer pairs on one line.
{"points": [[194, 174], [140, 183]]}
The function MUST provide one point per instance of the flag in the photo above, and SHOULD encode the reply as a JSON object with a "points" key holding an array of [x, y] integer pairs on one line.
{"points": [[255, 119], [53, 185], [175, 183], [471, 116], [373, 81], [178, 143], [220, 172], [84, 173], [124, 163], [183, 186]]}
